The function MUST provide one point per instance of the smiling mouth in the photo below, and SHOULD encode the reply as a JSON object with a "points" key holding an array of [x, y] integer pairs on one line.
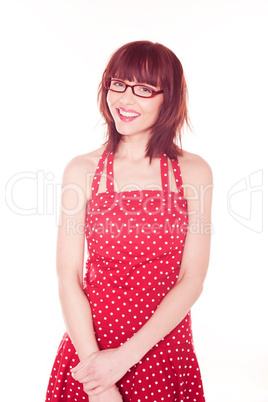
{"points": [[129, 115]]}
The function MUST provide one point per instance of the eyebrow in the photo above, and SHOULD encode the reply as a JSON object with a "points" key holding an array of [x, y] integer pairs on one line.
{"points": [[138, 83]]}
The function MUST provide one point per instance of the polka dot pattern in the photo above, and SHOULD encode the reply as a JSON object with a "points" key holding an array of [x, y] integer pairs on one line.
{"points": [[135, 242]]}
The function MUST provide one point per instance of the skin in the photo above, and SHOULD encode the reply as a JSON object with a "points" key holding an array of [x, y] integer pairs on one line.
{"points": [[147, 108], [98, 371]]}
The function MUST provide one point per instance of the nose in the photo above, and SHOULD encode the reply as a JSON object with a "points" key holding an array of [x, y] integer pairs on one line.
{"points": [[127, 98]]}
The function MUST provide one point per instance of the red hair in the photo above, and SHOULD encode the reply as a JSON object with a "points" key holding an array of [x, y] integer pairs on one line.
{"points": [[156, 65]]}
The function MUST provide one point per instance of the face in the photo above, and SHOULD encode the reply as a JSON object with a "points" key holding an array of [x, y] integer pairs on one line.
{"points": [[133, 114]]}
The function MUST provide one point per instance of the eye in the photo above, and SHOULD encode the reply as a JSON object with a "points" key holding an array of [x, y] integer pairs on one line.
{"points": [[143, 91], [117, 84]]}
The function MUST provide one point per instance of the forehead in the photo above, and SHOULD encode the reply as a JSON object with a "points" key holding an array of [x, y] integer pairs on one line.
{"points": [[134, 81], [134, 70]]}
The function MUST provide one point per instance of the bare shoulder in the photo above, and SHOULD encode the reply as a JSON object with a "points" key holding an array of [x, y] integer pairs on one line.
{"points": [[194, 169], [79, 172], [83, 164]]}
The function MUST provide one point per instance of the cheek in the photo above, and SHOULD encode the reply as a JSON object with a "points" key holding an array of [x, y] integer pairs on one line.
{"points": [[108, 100], [111, 98], [160, 102], [157, 107]]}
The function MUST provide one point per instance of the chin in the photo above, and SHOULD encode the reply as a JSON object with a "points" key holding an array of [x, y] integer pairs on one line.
{"points": [[124, 132]]}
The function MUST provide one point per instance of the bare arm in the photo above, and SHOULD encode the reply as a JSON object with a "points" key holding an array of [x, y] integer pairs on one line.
{"points": [[70, 258]]}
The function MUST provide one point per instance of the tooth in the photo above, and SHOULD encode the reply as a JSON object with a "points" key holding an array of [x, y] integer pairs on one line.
{"points": [[127, 114]]}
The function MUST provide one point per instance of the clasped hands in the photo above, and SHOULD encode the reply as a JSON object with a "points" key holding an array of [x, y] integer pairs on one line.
{"points": [[101, 370]]}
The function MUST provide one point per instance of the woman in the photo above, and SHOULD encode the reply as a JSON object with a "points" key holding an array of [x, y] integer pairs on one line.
{"points": [[145, 204]]}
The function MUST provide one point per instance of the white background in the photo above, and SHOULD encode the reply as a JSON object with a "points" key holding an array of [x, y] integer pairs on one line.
{"points": [[53, 53]]}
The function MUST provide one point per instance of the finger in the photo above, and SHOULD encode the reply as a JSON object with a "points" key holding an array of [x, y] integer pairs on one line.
{"points": [[93, 389], [76, 368], [79, 366], [83, 363], [86, 374], [85, 378]]}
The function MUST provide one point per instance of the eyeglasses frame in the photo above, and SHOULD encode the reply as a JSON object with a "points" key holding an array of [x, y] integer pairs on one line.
{"points": [[154, 92]]}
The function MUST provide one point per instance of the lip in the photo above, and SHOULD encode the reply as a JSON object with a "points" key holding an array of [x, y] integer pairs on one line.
{"points": [[128, 110], [127, 119]]}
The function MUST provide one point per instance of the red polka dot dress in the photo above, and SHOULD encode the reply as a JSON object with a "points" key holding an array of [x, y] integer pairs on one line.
{"points": [[135, 243]]}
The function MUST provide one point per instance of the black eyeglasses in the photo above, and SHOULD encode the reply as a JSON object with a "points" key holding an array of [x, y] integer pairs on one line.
{"points": [[143, 91]]}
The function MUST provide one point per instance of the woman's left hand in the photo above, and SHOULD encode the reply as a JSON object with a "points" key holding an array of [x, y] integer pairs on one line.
{"points": [[101, 370]]}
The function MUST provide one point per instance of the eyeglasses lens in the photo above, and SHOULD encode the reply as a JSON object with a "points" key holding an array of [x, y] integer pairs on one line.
{"points": [[139, 90]]}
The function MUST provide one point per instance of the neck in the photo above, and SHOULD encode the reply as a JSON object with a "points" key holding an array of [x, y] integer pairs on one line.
{"points": [[133, 147]]}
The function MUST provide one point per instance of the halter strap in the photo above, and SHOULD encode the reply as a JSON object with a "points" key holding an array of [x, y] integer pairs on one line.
{"points": [[177, 175], [164, 172], [110, 173], [97, 175]]}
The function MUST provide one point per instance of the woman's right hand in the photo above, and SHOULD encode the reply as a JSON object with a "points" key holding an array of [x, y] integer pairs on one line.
{"points": [[111, 395]]}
